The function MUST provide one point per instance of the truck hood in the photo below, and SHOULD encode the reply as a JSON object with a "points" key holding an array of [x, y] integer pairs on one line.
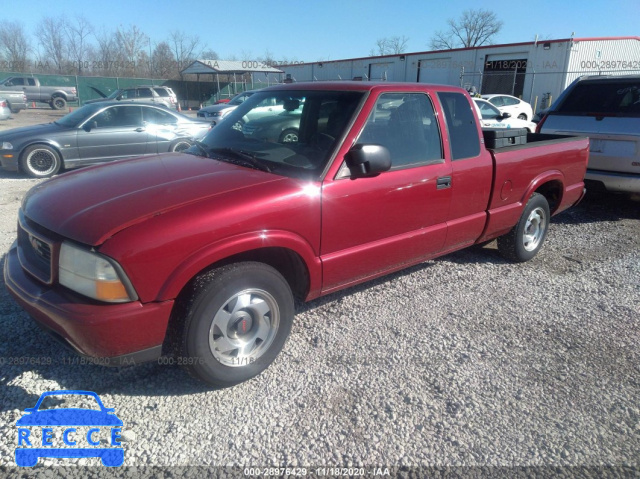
{"points": [[93, 204]]}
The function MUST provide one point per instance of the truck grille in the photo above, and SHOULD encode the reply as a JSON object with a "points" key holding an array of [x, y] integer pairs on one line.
{"points": [[35, 253]]}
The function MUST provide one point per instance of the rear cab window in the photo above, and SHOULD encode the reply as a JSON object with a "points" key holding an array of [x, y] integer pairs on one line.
{"points": [[462, 126]]}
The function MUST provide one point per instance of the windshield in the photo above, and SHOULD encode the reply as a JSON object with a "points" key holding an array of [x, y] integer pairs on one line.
{"points": [[114, 94], [292, 133], [76, 117], [488, 111], [238, 99]]}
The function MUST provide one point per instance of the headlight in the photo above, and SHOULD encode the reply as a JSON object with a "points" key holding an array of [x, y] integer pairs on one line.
{"points": [[93, 275], [7, 146]]}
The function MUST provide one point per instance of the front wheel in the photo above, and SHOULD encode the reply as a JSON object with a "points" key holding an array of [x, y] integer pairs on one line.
{"points": [[525, 239], [40, 161], [522, 116], [238, 319], [289, 136]]}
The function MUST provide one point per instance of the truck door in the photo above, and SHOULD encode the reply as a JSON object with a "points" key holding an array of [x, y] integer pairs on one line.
{"points": [[374, 225], [472, 171]]}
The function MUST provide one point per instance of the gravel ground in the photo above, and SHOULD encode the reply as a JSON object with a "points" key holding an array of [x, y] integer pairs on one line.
{"points": [[464, 361]]}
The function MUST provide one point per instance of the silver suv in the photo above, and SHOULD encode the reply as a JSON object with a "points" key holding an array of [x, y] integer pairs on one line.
{"points": [[160, 95], [607, 110]]}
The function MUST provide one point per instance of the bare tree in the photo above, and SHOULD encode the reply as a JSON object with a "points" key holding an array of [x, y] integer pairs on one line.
{"points": [[184, 47], [78, 32], [131, 43], [209, 54], [106, 53], [14, 45], [390, 45], [162, 63], [53, 41], [473, 29]]}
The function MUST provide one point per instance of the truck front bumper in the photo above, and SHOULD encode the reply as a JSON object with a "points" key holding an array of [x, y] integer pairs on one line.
{"points": [[111, 334]]}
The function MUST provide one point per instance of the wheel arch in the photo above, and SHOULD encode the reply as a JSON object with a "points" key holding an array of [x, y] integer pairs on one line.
{"points": [[550, 185], [289, 254], [288, 262]]}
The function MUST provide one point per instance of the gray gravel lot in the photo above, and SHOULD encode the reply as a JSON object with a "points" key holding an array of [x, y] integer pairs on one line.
{"points": [[466, 360]]}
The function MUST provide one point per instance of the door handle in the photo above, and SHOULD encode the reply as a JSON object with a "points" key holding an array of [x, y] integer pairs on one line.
{"points": [[443, 182], [140, 129]]}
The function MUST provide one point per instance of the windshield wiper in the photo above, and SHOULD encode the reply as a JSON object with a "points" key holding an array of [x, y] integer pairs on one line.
{"points": [[244, 156], [202, 149]]}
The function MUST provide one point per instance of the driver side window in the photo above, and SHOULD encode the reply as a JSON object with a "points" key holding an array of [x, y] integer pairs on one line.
{"points": [[405, 123]]}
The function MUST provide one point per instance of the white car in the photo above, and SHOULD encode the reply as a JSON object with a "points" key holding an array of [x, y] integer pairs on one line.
{"points": [[510, 104], [491, 117]]}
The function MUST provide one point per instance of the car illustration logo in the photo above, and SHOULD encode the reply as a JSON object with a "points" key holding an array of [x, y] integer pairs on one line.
{"points": [[78, 431]]}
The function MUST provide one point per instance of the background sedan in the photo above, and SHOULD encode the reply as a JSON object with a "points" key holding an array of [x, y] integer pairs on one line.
{"points": [[97, 133], [512, 105], [491, 117]]}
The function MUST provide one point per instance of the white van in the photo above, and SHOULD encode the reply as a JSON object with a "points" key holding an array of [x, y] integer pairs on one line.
{"points": [[607, 110]]}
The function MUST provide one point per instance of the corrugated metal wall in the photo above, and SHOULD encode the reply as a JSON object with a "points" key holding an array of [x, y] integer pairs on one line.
{"points": [[550, 66]]}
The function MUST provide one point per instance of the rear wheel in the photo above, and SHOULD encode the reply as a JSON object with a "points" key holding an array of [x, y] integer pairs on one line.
{"points": [[522, 116], [180, 145], [58, 103], [238, 318], [40, 161], [525, 239]]}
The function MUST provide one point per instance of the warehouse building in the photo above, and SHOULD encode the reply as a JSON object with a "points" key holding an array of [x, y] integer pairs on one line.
{"points": [[536, 71]]}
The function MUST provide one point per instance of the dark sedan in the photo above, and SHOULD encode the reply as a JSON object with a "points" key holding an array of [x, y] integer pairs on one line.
{"points": [[97, 133]]}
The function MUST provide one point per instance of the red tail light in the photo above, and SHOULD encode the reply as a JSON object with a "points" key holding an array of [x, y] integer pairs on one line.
{"points": [[3, 104]]}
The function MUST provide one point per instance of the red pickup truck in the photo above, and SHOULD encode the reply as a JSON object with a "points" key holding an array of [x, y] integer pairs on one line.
{"points": [[199, 255]]}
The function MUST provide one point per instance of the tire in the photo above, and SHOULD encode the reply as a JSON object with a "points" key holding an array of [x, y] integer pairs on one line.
{"points": [[244, 305], [58, 103], [180, 145], [289, 135], [526, 238], [522, 116], [40, 161]]}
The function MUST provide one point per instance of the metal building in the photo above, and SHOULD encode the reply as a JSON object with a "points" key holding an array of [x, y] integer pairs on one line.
{"points": [[535, 71]]}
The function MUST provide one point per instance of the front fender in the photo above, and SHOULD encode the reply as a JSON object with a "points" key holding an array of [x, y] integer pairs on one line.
{"points": [[220, 250]]}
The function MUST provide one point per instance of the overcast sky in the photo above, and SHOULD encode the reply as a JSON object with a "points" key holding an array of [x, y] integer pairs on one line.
{"points": [[332, 29]]}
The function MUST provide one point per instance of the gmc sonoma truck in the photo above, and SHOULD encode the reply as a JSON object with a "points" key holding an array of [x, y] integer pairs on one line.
{"points": [[56, 96], [199, 255]]}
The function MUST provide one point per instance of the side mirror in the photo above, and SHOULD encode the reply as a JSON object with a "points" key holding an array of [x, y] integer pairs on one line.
{"points": [[368, 160], [90, 125], [506, 115]]}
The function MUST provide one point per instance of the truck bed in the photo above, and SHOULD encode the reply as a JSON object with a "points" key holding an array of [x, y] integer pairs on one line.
{"points": [[515, 164]]}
